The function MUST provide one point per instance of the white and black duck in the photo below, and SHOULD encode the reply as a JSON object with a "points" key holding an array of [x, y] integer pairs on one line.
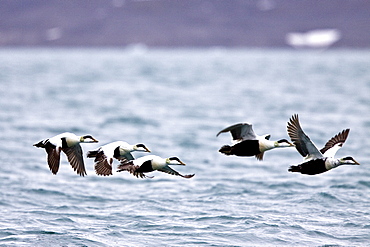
{"points": [[247, 143], [119, 150], [151, 163], [69, 143], [317, 161]]}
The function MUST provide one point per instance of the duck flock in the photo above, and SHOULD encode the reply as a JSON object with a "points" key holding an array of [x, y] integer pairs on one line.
{"points": [[245, 143]]}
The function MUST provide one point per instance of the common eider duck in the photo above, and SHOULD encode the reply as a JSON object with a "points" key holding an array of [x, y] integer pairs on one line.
{"points": [[316, 161], [69, 143], [151, 163], [119, 150], [247, 143]]}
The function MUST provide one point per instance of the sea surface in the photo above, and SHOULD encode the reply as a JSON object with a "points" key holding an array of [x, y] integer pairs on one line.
{"points": [[175, 101]]}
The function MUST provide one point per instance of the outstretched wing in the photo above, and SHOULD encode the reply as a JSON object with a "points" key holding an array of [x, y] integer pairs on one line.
{"points": [[75, 158], [128, 165], [103, 165], [302, 142], [240, 132], [53, 157], [335, 143], [171, 171]]}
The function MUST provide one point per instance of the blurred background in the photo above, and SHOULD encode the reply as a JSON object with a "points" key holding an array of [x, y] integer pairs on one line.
{"points": [[174, 23]]}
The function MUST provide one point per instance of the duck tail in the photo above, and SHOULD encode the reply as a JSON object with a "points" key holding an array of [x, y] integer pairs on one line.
{"points": [[91, 154], [294, 169], [40, 144], [226, 149]]}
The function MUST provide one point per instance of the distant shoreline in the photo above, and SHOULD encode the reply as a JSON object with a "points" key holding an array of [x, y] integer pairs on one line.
{"points": [[179, 23]]}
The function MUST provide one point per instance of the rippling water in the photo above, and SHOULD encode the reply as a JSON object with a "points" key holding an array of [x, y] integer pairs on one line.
{"points": [[175, 101]]}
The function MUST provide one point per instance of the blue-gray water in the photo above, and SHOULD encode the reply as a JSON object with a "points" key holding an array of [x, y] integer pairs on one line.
{"points": [[175, 101]]}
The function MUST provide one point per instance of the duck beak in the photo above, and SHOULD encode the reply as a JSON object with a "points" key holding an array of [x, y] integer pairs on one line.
{"points": [[147, 149], [356, 162], [182, 163], [94, 140], [291, 144]]}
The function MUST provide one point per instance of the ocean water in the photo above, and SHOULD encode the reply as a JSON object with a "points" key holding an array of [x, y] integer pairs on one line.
{"points": [[175, 101]]}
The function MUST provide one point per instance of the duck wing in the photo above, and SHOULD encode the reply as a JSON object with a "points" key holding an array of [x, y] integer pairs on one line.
{"points": [[53, 157], [171, 171], [103, 165], [75, 158], [240, 132], [302, 142], [335, 143], [128, 165]]}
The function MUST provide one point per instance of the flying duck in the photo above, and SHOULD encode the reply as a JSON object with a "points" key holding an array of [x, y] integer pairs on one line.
{"points": [[69, 143], [316, 161], [151, 163], [247, 143], [119, 150]]}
